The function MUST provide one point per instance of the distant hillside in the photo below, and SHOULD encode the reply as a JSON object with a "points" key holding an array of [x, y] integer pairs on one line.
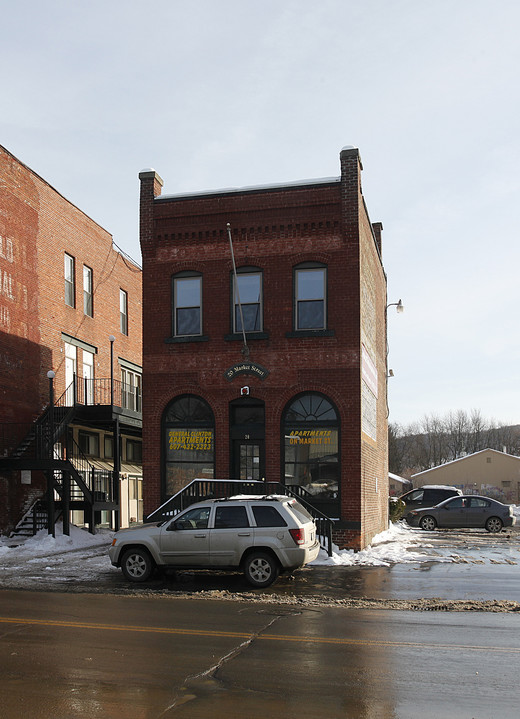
{"points": [[434, 441]]}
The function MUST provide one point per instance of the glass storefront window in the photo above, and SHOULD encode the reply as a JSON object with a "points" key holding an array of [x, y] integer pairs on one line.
{"points": [[311, 430], [189, 443]]}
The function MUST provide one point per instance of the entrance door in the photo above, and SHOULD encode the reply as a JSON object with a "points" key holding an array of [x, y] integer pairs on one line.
{"points": [[247, 435], [248, 459]]}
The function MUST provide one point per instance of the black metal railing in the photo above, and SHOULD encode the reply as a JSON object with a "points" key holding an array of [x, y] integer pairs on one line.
{"points": [[103, 391], [199, 490]]}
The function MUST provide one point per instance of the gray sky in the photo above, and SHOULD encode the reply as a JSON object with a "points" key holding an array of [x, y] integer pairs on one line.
{"points": [[221, 93]]}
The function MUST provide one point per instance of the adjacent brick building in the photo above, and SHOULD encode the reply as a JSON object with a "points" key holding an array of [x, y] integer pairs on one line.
{"points": [[303, 400], [64, 291]]}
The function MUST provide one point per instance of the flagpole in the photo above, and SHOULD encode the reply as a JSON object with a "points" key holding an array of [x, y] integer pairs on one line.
{"points": [[245, 348]]}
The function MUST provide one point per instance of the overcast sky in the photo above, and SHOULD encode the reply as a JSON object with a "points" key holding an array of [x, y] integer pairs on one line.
{"points": [[230, 93]]}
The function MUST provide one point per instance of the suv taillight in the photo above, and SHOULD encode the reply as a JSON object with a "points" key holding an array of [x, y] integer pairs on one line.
{"points": [[298, 535]]}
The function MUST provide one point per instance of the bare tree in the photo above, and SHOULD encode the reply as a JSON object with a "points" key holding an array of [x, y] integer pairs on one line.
{"points": [[457, 427], [436, 440]]}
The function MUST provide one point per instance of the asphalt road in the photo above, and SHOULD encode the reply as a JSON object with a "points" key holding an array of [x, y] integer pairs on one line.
{"points": [[68, 655]]}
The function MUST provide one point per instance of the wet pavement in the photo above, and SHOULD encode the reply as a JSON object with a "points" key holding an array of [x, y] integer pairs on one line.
{"points": [[460, 566], [434, 637], [68, 656]]}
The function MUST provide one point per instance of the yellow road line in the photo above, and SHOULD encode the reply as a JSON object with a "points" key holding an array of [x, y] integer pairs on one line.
{"points": [[244, 635]]}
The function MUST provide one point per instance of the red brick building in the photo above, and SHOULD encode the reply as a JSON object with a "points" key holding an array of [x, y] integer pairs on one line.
{"points": [[64, 290], [302, 400]]}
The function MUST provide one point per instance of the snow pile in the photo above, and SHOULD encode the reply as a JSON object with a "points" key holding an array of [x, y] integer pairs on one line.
{"points": [[45, 544], [393, 546]]}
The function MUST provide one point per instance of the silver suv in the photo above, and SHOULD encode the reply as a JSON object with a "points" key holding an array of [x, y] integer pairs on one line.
{"points": [[262, 536]]}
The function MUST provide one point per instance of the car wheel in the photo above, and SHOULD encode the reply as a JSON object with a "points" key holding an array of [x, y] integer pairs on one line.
{"points": [[137, 565], [494, 524], [261, 569], [428, 523]]}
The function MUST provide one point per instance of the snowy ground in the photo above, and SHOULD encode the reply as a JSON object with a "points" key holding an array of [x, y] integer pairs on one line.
{"points": [[42, 560]]}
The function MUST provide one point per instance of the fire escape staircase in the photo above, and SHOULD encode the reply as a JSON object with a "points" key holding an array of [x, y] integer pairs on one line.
{"points": [[47, 447]]}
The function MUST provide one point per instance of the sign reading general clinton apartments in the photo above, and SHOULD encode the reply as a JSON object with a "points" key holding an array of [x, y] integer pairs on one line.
{"points": [[246, 368]]}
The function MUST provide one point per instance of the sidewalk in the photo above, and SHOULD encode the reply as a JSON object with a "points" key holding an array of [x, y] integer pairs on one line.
{"points": [[402, 565]]}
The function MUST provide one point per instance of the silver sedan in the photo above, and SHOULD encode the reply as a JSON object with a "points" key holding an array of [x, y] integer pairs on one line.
{"points": [[468, 511]]}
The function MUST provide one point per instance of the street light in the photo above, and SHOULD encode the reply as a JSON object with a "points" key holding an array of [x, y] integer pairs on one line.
{"points": [[112, 340], [117, 459], [398, 306], [51, 528], [390, 373]]}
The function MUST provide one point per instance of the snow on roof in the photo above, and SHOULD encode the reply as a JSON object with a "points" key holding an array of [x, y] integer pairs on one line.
{"points": [[397, 478], [466, 456], [251, 188]]}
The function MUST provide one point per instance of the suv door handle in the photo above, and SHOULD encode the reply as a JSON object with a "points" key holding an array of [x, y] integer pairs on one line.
{"points": [[244, 534], [200, 536]]}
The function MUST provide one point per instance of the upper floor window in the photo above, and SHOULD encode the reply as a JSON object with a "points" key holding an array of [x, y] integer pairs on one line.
{"points": [[187, 304], [88, 306], [70, 283], [247, 301], [310, 292], [131, 389], [123, 311]]}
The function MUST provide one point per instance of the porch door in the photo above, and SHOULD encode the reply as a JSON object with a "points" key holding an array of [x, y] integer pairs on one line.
{"points": [[70, 372], [88, 376]]}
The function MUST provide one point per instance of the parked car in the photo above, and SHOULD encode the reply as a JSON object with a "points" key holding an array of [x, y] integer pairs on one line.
{"points": [[464, 512], [262, 536], [428, 496]]}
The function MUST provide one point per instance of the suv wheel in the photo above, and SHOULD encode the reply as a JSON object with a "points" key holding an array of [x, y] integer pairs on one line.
{"points": [[260, 569], [137, 565]]}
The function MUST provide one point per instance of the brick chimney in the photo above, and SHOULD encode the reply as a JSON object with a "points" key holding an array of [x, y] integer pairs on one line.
{"points": [[378, 233], [351, 167], [151, 185]]}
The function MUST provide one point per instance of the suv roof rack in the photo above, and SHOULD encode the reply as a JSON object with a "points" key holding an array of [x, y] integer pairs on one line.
{"points": [[251, 498]]}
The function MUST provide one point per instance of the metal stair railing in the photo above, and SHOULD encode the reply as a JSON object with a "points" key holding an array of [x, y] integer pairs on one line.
{"points": [[199, 490], [36, 442]]}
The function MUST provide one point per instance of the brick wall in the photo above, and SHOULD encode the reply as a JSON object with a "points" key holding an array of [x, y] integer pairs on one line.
{"points": [[37, 226], [274, 229]]}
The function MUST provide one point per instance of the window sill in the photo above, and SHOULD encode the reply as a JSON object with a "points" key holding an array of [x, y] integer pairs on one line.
{"points": [[249, 336], [310, 333], [186, 338]]}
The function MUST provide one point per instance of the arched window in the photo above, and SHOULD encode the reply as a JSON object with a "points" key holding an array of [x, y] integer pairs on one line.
{"points": [[311, 436], [189, 442]]}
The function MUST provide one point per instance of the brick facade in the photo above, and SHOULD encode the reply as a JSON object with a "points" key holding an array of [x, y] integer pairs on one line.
{"points": [[274, 229], [37, 227]]}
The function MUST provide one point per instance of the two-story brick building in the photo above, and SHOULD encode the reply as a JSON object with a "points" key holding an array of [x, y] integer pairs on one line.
{"points": [[70, 304], [277, 372]]}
